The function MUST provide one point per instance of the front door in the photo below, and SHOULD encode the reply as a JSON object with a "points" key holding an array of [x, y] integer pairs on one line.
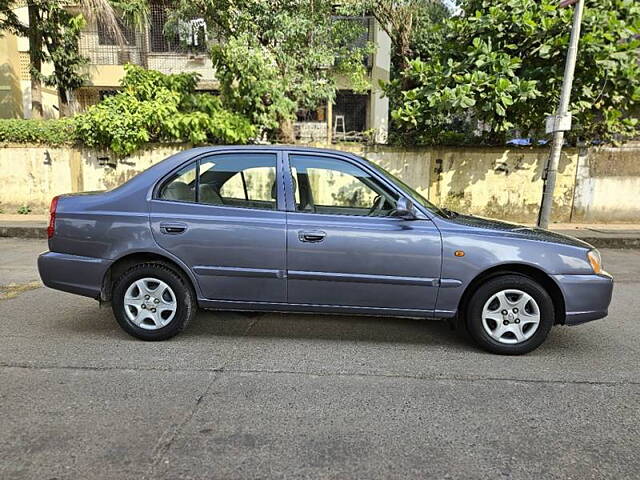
{"points": [[345, 249], [219, 214]]}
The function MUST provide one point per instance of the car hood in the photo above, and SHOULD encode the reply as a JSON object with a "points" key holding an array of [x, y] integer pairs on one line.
{"points": [[514, 229]]}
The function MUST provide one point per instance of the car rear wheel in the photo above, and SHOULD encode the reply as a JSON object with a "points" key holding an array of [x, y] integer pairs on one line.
{"points": [[510, 314], [151, 301]]}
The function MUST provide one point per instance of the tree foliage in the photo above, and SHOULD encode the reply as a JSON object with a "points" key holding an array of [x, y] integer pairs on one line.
{"points": [[250, 83], [275, 57], [53, 31], [407, 22], [157, 107], [61, 41], [8, 19], [499, 66]]}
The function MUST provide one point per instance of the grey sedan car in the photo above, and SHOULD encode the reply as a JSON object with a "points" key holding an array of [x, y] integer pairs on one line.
{"points": [[310, 230]]}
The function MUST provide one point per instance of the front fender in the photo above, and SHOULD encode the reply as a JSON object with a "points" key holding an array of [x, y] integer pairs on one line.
{"points": [[484, 251]]}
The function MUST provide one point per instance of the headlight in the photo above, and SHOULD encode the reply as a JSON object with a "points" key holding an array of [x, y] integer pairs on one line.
{"points": [[595, 261]]}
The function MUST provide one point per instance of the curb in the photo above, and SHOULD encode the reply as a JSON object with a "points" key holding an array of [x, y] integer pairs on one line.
{"points": [[612, 242], [22, 231]]}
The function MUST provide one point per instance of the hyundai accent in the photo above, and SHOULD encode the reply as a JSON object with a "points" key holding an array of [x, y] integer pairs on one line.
{"points": [[281, 228]]}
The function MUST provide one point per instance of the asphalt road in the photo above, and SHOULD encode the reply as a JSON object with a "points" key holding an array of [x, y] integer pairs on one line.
{"points": [[294, 396]]}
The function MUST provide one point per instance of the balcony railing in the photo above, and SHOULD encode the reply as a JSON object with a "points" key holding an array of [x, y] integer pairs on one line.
{"points": [[101, 49]]}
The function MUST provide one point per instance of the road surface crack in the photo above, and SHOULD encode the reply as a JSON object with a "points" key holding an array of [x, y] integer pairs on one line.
{"points": [[167, 439], [429, 378]]}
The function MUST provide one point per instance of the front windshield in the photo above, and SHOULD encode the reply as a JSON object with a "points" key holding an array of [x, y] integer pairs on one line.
{"points": [[416, 195]]}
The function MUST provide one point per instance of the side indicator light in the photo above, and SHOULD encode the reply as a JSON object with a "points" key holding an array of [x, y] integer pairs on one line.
{"points": [[459, 253]]}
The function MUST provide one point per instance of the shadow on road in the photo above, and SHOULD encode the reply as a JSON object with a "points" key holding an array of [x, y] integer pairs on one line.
{"points": [[327, 327], [94, 321]]}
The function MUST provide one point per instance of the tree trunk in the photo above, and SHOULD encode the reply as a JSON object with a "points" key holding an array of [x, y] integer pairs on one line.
{"points": [[35, 58], [285, 131], [64, 104]]}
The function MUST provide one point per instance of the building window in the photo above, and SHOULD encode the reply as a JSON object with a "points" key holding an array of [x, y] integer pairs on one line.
{"points": [[361, 41], [106, 36], [159, 42], [353, 108], [186, 36], [102, 94]]}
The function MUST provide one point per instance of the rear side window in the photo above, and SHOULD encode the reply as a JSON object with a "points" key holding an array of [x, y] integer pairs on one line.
{"points": [[235, 180], [181, 187]]}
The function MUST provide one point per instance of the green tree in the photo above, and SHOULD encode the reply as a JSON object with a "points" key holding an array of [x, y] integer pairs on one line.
{"points": [[53, 32], [61, 46], [277, 56], [409, 24], [498, 67], [8, 18]]}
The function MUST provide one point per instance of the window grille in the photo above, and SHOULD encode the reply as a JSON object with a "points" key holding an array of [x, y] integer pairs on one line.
{"points": [[106, 36], [192, 36]]}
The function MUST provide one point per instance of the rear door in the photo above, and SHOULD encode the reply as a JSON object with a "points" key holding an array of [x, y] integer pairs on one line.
{"points": [[220, 215], [344, 248]]}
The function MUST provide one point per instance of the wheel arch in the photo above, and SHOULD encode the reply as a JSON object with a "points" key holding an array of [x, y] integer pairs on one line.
{"points": [[125, 262], [529, 271]]}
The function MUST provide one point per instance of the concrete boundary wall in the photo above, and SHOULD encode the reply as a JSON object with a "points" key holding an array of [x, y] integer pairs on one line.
{"points": [[594, 185]]}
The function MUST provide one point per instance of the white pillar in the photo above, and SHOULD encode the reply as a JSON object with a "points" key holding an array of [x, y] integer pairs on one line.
{"points": [[378, 104]]}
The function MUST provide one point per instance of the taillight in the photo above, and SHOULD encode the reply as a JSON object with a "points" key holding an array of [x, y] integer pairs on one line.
{"points": [[51, 229]]}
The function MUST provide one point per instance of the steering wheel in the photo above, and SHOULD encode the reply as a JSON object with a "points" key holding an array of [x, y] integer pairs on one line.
{"points": [[378, 203]]}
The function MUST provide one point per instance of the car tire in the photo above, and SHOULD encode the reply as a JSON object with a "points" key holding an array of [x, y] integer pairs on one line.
{"points": [[152, 301], [501, 315]]}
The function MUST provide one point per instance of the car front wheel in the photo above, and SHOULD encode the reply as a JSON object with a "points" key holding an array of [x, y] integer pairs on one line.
{"points": [[510, 314], [151, 301]]}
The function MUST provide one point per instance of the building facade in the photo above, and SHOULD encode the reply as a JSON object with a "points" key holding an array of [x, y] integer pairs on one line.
{"points": [[347, 118]]}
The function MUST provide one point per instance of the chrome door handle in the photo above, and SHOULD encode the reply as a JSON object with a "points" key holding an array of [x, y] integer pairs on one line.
{"points": [[173, 228], [314, 236]]}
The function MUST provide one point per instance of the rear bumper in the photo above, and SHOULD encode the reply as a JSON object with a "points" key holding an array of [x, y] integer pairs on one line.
{"points": [[586, 297], [73, 273]]}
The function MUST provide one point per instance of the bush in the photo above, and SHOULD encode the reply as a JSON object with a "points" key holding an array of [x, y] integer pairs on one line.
{"points": [[151, 107], [51, 132], [157, 107]]}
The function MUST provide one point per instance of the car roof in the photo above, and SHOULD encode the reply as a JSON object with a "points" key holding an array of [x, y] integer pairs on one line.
{"points": [[270, 147]]}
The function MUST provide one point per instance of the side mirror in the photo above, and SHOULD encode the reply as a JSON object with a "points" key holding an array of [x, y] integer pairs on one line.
{"points": [[405, 209]]}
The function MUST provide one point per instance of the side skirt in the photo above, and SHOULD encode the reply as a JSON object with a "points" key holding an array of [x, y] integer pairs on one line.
{"points": [[310, 308]]}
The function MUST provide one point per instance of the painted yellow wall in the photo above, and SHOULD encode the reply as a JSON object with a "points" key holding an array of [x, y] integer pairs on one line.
{"points": [[10, 91], [594, 185], [104, 75]]}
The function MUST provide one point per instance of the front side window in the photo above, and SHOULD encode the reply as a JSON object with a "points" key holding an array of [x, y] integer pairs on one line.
{"points": [[416, 195], [332, 186], [235, 180]]}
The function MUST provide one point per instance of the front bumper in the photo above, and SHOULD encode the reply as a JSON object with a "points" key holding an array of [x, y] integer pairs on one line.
{"points": [[73, 273], [586, 297]]}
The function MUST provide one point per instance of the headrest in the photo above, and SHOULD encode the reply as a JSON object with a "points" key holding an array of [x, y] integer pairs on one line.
{"points": [[178, 190]]}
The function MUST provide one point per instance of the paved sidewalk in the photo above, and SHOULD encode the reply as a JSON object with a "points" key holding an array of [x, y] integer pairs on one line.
{"points": [[23, 226], [613, 235]]}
